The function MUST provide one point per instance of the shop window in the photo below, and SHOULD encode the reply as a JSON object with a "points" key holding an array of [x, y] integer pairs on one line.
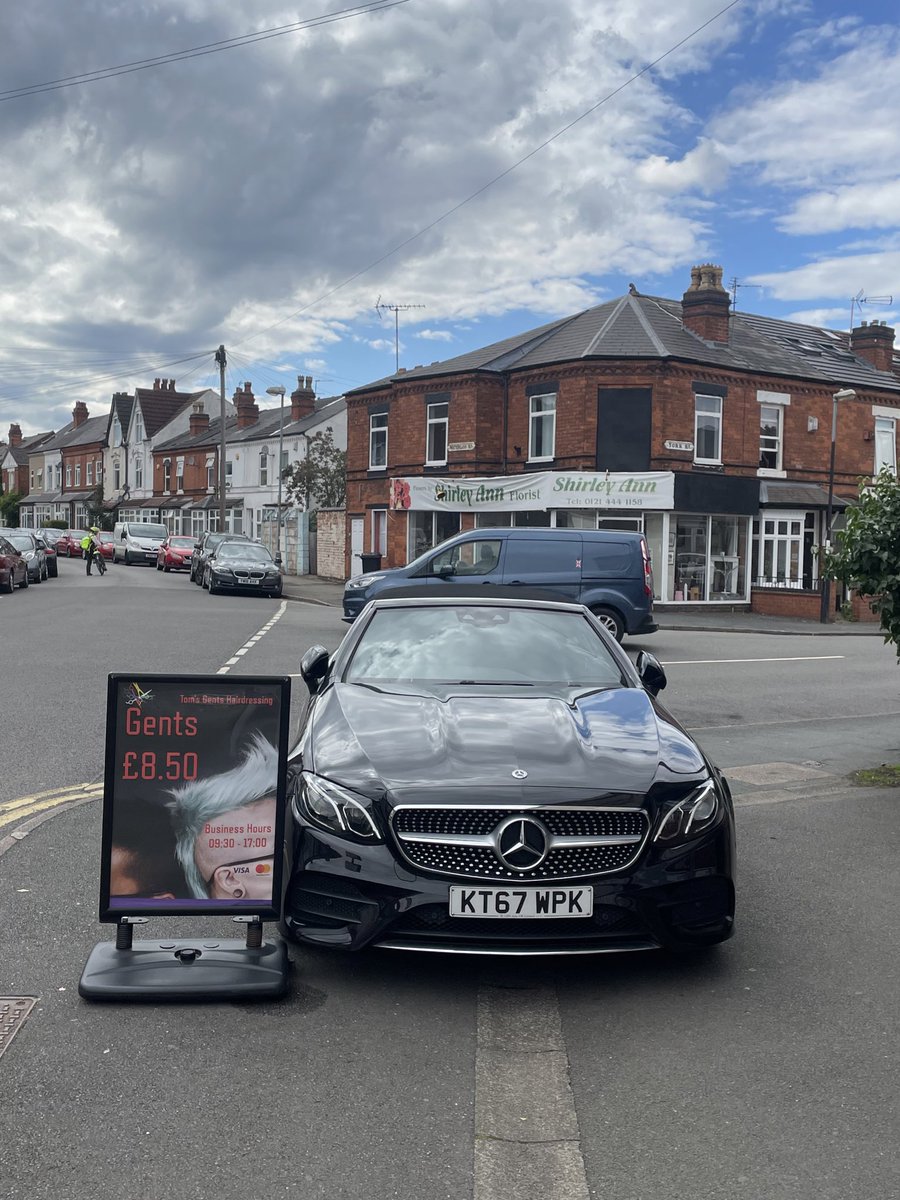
{"points": [[378, 441], [885, 444], [437, 422], [770, 433], [493, 520], [542, 428], [708, 429], [430, 529]]}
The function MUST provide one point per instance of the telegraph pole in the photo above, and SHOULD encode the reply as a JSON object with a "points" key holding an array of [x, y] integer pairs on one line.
{"points": [[220, 359], [396, 309]]}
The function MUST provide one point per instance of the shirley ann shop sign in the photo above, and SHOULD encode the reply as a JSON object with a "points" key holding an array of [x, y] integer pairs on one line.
{"points": [[619, 491]]}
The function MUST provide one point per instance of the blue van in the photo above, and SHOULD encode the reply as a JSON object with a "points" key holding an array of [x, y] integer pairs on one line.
{"points": [[607, 570]]}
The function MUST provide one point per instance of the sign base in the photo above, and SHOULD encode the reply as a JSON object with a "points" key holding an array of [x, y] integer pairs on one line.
{"points": [[196, 969]]}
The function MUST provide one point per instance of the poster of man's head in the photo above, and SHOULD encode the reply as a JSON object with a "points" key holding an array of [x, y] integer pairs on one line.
{"points": [[193, 795]]}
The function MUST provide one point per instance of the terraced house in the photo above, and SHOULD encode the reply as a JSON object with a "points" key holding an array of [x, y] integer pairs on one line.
{"points": [[708, 429]]}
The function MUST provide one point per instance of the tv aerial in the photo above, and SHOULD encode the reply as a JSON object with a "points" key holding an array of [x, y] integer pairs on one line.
{"points": [[396, 309], [861, 298]]}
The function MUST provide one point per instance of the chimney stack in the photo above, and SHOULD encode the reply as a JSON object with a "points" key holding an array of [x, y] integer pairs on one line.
{"points": [[875, 343], [303, 399], [705, 305], [199, 420], [15, 435], [79, 413], [245, 403]]}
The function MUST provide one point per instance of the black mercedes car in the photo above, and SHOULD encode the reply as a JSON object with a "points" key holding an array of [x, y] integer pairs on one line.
{"points": [[492, 775]]}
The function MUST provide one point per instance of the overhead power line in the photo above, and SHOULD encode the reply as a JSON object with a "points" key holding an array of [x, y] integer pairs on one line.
{"points": [[248, 39]]}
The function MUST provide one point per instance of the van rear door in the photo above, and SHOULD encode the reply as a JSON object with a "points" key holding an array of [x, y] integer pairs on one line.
{"points": [[551, 563]]}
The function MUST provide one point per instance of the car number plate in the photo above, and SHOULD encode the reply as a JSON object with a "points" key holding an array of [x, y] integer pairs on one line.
{"points": [[521, 902], [252, 582]]}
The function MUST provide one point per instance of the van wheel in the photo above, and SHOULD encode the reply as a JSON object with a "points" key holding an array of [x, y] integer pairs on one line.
{"points": [[127, 559], [611, 621]]}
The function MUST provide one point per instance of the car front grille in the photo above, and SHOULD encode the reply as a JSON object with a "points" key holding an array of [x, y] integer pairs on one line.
{"points": [[465, 842], [241, 573], [435, 918]]}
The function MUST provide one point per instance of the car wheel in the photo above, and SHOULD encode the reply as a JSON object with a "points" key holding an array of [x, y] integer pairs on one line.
{"points": [[53, 569], [10, 585], [210, 586], [25, 581], [611, 621], [127, 559], [166, 568]]}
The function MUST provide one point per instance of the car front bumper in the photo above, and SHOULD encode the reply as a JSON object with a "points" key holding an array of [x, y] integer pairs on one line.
{"points": [[348, 895], [270, 587]]}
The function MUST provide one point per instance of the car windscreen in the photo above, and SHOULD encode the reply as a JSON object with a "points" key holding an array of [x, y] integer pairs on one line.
{"points": [[21, 541], [148, 531], [182, 543], [243, 550], [474, 644]]}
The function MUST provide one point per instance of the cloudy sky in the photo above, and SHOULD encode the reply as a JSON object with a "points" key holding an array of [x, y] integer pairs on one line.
{"points": [[267, 194]]}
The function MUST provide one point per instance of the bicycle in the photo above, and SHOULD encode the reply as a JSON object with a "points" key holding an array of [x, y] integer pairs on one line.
{"points": [[98, 561]]}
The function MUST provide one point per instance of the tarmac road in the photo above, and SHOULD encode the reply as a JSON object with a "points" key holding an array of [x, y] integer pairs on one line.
{"points": [[766, 1069]]}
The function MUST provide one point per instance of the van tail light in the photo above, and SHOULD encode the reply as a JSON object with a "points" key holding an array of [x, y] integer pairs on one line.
{"points": [[648, 573]]}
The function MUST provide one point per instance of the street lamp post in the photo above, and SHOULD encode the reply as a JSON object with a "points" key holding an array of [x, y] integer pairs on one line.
{"points": [[843, 394], [279, 391]]}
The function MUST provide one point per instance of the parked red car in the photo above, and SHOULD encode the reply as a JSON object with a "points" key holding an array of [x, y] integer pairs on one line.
{"points": [[70, 543], [13, 568], [175, 553]]}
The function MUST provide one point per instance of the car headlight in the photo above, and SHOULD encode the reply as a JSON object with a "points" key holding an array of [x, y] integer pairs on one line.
{"points": [[363, 581], [694, 814], [28, 555], [334, 808]]}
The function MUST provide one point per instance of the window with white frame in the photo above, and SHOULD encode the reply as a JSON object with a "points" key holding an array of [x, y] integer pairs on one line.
{"points": [[167, 474], [138, 471], [89, 473], [707, 429], [179, 474], [68, 475], [378, 441], [138, 427], [210, 472], [779, 549], [117, 475], [771, 417], [78, 474], [437, 421], [198, 523], [885, 444], [542, 427], [379, 531], [229, 466], [98, 470], [116, 432], [263, 468]]}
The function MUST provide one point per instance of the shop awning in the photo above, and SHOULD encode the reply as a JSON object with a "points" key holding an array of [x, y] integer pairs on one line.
{"points": [[784, 493]]}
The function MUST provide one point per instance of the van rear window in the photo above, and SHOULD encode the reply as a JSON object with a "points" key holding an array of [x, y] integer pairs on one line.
{"points": [[605, 559]]}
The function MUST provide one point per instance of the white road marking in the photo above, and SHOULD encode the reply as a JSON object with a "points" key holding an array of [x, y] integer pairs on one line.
{"points": [[251, 642], [703, 662], [527, 1141]]}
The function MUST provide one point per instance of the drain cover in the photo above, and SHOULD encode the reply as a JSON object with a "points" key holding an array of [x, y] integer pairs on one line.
{"points": [[13, 1011]]}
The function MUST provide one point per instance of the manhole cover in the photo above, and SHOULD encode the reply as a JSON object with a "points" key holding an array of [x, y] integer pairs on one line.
{"points": [[13, 1011]]}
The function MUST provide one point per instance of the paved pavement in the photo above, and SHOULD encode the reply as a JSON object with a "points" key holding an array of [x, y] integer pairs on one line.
{"points": [[311, 589]]}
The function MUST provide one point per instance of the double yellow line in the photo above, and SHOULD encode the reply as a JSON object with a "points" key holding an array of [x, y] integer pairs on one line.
{"points": [[12, 811]]}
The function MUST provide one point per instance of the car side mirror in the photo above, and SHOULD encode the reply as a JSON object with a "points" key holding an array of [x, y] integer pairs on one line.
{"points": [[651, 671], [314, 667], [446, 570]]}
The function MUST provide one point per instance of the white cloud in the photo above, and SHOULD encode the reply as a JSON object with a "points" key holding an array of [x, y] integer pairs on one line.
{"points": [[703, 169], [435, 335], [836, 277], [873, 205]]}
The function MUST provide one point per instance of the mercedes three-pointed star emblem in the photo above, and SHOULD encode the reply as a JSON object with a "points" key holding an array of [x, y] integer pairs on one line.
{"points": [[521, 843]]}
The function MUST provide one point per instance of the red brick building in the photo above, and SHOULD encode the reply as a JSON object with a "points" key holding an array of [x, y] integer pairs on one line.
{"points": [[710, 430]]}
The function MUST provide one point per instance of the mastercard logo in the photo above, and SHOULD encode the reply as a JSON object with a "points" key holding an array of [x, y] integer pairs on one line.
{"points": [[264, 868]]}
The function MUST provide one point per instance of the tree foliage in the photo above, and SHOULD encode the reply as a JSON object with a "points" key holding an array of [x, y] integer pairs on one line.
{"points": [[320, 479], [866, 554], [9, 509]]}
